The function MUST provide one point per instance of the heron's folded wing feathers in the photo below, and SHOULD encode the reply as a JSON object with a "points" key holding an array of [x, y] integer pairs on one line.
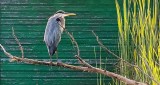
{"points": [[52, 36]]}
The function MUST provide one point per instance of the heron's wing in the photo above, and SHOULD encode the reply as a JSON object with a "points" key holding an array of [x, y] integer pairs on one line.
{"points": [[52, 36], [51, 49]]}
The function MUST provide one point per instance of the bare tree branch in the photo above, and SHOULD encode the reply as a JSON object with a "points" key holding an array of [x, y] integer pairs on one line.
{"points": [[127, 63], [78, 51], [87, 67], [76, 47], [81, 68], [74, 42], [20, 46], [107, 50]]}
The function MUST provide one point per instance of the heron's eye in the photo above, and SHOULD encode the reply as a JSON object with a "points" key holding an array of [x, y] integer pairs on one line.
{"points": [[58, 19]]}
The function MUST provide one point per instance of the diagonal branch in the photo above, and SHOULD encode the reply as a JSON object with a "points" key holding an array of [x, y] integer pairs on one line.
{"points": [[81, 68], [78, 52], [20, 46], [74, 42], [127, 63], [84, 63], [107, 50]]}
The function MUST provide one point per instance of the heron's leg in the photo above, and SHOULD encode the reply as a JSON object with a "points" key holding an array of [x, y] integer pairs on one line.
{"points": [[50, 59], [57, 55], [58, 61]]}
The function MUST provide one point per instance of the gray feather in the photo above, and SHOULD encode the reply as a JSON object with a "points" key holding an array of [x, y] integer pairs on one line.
{"points": [[52, 35]]}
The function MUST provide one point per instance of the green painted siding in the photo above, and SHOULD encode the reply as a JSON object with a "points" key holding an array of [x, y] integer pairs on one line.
{"points": [[29, 18]]}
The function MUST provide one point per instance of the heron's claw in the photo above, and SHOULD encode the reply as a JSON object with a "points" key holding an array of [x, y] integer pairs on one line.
{"points": [[50, 63]]}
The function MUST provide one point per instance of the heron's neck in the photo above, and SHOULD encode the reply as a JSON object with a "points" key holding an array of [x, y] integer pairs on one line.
{"points": [[62, 24]]}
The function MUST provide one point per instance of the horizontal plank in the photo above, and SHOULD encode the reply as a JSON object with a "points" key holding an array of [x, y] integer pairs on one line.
{"points": [[57, 75], [44, 69], [69, 22], [50, 6], [9, 66], [39, 35], [46, 15], [61, 48], [36, 81], [90, 42], [64, 8], [36, 54], [59, 2], [41, 28]]}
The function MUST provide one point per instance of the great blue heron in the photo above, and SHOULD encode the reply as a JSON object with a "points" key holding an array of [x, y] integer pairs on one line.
{"points": [[54, 28]]}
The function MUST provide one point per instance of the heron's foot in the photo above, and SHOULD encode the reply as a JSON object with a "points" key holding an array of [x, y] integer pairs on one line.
{"points": [[50, 63], [51, 60]]}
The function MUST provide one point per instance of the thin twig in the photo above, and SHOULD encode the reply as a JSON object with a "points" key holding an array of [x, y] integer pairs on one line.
{"points": [[20, 46], [127, 63], [86, 69], [107, 50], [74, 42], [84, 63], [78, 51]]}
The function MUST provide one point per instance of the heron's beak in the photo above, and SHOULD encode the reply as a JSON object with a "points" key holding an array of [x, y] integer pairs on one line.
{"points": [[69, 14]]}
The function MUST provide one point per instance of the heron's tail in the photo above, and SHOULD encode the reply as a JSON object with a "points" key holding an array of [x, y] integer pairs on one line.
{"points": [[51, 50]]}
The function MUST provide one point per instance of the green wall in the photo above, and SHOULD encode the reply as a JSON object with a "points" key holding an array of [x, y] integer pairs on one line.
{"points": [[29, 18]]}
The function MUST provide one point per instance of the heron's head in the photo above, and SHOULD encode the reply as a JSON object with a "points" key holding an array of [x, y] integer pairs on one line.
{"points": [[63, 13], [60, 17]]}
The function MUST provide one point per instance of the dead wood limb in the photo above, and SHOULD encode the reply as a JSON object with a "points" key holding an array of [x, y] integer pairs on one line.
{"points": [[84, 63], [127, 63], [87, 67], [74, 42], [80, 68], [20, 46], [107, 50]]}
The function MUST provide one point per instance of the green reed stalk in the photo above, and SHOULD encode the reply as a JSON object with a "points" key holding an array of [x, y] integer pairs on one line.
{"points": [[139, 41]]}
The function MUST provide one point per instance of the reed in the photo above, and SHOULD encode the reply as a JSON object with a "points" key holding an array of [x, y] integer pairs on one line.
{"points": [[139, 42], [101, 79]]}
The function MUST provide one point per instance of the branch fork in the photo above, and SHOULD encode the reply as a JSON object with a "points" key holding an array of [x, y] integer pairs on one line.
{"points": [[86, 67]]}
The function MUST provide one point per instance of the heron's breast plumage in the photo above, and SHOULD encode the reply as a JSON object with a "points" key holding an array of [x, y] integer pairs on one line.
{"points": [[53, 32]]}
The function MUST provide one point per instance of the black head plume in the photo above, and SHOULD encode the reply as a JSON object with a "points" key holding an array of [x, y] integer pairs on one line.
{"points": [[60, 11]]}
